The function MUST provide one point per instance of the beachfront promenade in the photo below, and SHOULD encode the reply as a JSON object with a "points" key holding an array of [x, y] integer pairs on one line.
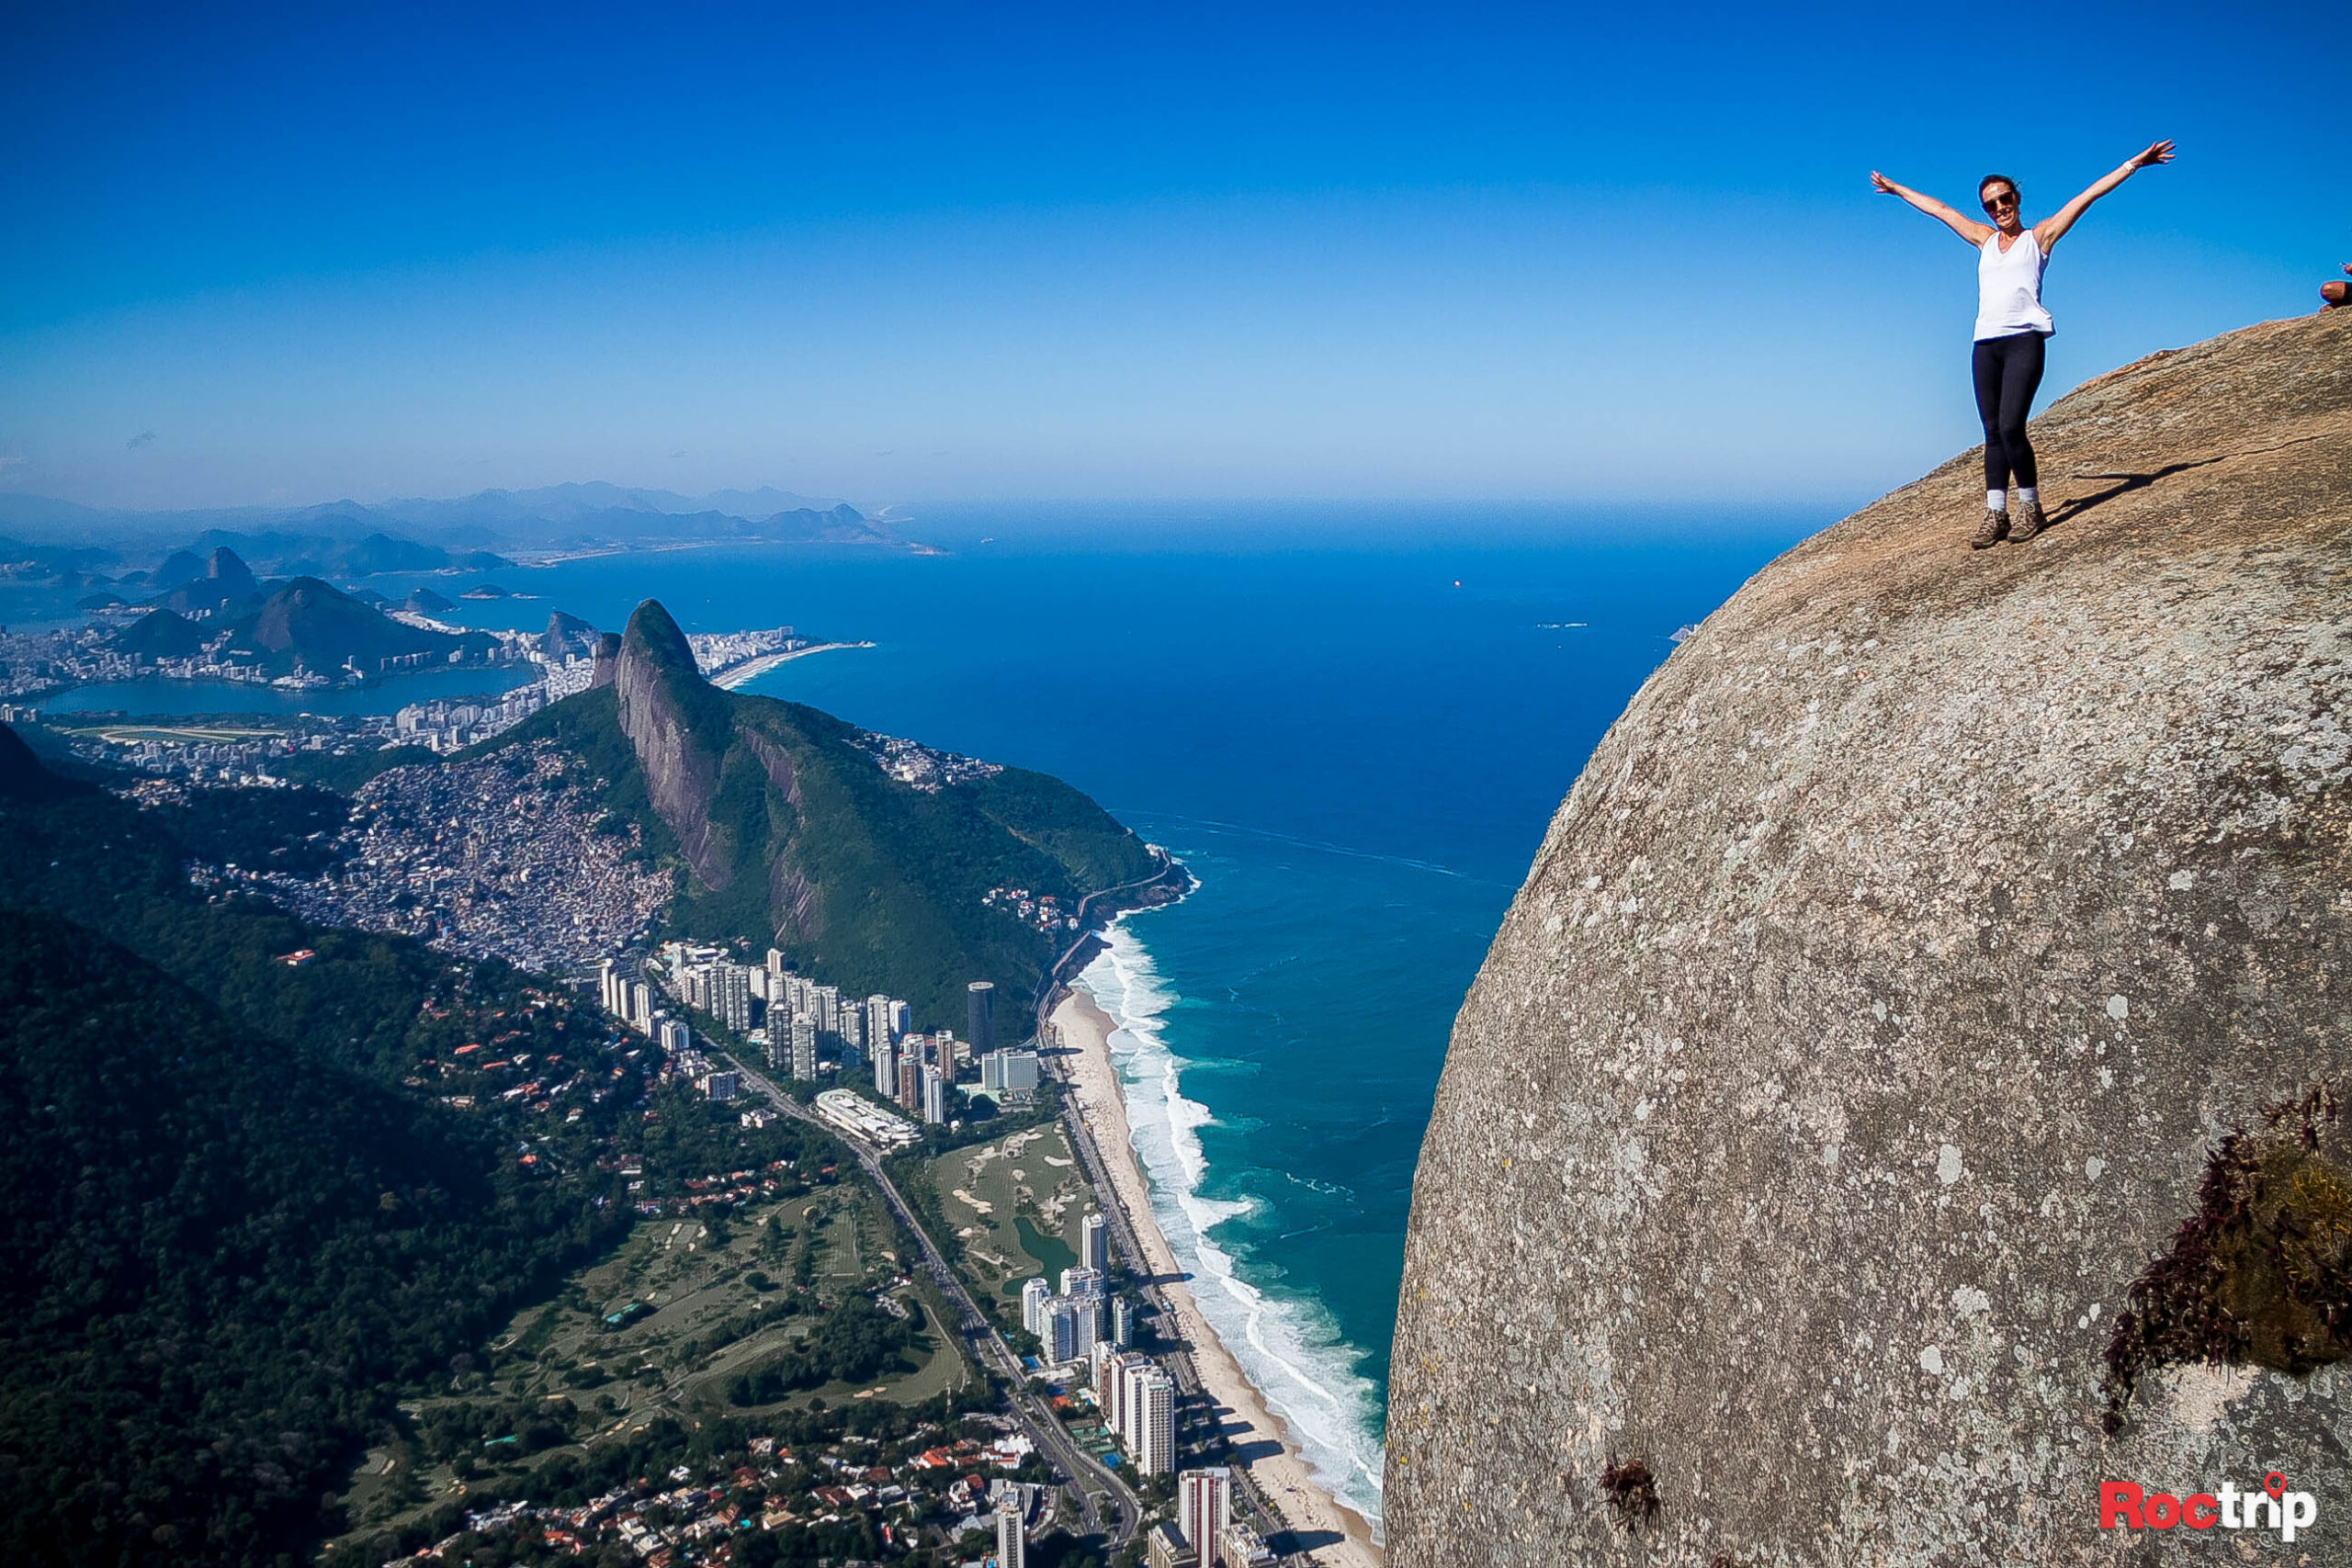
{"points": [[1273, 1478], [1273, 1472], [1089, 1477], [1176, 1356]]}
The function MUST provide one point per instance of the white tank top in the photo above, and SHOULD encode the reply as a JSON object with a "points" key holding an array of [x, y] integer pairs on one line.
{"points": [[2008, 288]]}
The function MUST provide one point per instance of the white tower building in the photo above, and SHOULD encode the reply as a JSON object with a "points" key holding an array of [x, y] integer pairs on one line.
{"points": [[1154, 1420]]}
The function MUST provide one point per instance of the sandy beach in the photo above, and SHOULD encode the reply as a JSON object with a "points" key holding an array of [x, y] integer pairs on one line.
{"points": [[735, 675], [1280, 1474]]}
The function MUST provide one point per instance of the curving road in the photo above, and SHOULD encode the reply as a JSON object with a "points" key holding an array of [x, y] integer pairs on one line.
{"points": [[1052, 984], [988, 1349]]}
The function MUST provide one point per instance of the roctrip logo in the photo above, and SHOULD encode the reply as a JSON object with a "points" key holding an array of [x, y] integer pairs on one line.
{"points": [[2123, 1505]]}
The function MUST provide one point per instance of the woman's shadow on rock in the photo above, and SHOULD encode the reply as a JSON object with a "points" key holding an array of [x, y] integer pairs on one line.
{"points": [[2124, 485]]}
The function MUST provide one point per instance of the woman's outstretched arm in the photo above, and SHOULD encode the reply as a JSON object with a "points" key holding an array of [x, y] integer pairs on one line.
{"points": [[1967, 227], [2047, 233]]}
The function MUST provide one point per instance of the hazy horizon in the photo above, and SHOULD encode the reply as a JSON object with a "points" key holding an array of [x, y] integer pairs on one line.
{"points": [[920, 255]]}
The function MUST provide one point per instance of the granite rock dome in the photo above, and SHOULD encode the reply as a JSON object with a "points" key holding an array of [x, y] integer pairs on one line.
{"points": [[1868, 1022]]}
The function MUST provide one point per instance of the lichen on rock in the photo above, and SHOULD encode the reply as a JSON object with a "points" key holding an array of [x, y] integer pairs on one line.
{"points": [[2261, 1274]]}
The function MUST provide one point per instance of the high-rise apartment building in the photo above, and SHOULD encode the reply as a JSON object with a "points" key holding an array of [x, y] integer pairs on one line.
{"points": [[1060, 1333], [1153, 1421], [1084, 1283], [886, 1067], [1133, 1370], [1106, 1384], [1093, 1244], [730, 996], [1123, 1321], [980, 1017], [1035, 1294], [804, 1047], [640, 1009], [910, 1072], [902, 1020], [675, 1036], [1012, 1540], [1204, 1509], [935, 1095]]}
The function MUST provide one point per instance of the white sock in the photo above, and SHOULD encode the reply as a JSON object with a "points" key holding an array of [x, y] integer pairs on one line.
{"points": [[2030, 495], [1996, 501]]}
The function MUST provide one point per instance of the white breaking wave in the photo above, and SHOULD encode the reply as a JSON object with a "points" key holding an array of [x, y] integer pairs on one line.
{"points": [[1288, 1345]]}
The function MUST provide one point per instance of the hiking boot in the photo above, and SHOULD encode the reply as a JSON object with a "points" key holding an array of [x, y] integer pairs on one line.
{"points": [[2031, 521], [1992, 531]]}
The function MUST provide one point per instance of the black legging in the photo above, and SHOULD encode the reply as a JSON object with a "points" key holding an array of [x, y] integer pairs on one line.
{"points": [[2008, 372]]}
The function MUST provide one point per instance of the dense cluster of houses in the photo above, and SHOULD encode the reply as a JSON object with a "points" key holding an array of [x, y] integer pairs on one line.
{"points": [[936, 1495]]}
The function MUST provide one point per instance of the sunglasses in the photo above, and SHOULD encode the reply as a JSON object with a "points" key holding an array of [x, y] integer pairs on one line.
{"points": [[1992, 203]]}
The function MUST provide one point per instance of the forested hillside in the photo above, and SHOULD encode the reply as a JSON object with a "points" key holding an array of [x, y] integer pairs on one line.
{"points": [[264, 1179]]}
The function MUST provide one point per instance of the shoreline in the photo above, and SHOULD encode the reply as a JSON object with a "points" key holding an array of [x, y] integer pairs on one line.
{"points": [[1282, 1478], [735, 675]]}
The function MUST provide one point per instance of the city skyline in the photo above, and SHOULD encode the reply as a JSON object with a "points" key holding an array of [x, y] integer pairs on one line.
{"points": [[918, 256]]}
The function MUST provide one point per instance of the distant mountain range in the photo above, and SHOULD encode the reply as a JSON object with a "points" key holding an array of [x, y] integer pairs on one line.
{"points": [[47, 539], [298, 622]]}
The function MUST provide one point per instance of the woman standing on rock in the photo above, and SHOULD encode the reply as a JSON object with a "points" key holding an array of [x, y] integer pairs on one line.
{"points": [[2010, 327]]}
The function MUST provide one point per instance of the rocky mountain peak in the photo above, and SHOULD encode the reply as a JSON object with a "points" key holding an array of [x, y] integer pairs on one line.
{"points": [[227, 570], [1863, 1044], [681, 728]]}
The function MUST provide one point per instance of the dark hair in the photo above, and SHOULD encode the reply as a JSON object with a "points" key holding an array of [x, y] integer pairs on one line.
{"points": [[1998, 180]]}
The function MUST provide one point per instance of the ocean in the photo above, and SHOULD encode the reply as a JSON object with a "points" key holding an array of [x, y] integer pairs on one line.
{"points": [[1351, 723]]}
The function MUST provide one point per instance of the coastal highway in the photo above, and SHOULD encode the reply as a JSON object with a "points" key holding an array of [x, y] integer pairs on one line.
{"points": [[1179, 1362], [1089, 1476], [1051, 986]]}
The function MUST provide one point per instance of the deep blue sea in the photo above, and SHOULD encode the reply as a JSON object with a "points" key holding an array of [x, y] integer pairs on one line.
{"points": [[1352, 724]]}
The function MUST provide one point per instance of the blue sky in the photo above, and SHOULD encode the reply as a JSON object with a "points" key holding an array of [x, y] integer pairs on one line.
{"points": [[918, 254]]}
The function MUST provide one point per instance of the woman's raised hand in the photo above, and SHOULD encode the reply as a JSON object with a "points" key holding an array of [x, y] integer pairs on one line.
{"points": [[1885, 186], [2157, 152]]}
